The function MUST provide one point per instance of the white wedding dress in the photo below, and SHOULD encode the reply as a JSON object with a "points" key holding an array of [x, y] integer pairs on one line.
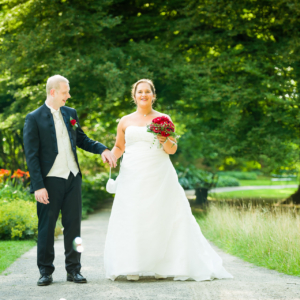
{"points": [[151, 228]]}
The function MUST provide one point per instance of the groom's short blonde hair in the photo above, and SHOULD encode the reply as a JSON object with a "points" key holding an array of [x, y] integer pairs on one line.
{"points": [[54, 81]]}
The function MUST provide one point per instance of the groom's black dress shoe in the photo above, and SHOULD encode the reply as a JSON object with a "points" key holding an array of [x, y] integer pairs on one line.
{"points": [[76, 277], [45, 280]]}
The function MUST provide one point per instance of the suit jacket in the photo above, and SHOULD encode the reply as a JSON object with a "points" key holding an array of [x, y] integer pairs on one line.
{"points": [[41, 145]]}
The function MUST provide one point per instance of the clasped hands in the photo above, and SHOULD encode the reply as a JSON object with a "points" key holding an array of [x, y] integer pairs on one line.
{"points": [[107, 157]]}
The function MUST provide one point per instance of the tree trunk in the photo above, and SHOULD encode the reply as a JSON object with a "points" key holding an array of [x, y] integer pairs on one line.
{"points": [[294, 198], [201, 196]]}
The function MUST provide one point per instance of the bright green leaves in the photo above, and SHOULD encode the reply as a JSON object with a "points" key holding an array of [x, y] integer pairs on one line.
{"points": [[227, 70]]}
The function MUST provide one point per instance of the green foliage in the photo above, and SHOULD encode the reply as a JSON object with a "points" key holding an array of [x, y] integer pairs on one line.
{"points": [[18, 219], [239, 175], [228, 68], [13, 193], [241, 164], [243, 96], [192, 178], [227, 181], [11, 144], [94, 192]]}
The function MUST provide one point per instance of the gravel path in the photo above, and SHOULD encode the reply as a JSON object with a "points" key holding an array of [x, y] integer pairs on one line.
{"points": [[250, 282]]}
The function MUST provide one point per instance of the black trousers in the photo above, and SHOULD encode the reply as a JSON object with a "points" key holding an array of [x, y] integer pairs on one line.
{"points": [[64, 196]]}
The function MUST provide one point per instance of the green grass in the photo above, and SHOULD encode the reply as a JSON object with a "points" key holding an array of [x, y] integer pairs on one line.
{"points": [[11, 250], [267, 238], [266, 182], [257, 194]]}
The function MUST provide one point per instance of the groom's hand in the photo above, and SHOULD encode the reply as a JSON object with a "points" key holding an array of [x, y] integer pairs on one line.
{"points": [[41, 196], [108, 157]]}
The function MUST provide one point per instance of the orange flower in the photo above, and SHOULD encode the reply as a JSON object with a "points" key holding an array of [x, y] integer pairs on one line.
{"points": [[18, 174], [4, 172]]}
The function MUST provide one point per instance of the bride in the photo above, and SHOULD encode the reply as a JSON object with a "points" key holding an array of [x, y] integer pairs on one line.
{"points": [[151, 230]]}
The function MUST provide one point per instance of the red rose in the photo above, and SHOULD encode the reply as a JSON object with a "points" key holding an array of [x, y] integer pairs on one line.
{"points": [[157, 120], [73, 122], [165, 134], [171, 129], [165, 119], [162, 125]]}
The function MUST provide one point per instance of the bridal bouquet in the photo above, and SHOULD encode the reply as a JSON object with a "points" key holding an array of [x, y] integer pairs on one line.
{"points": [[163, 126]]}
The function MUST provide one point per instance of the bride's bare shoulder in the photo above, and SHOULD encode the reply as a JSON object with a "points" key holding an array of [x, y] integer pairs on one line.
{"points": [[127, 118], [124, 121]]}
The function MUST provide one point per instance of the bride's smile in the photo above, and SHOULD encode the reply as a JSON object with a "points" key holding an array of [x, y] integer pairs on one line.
{"points": [[144, 95]]}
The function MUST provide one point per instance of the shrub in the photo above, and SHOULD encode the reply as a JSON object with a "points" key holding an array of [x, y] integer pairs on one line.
{"points": [[11, 192], [239, 175], [227, 181], [18, 219], [192, 178], [185, 182], [94, 192]]}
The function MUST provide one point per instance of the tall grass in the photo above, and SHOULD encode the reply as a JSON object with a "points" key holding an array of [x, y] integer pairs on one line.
{"points": [[268, 237]]}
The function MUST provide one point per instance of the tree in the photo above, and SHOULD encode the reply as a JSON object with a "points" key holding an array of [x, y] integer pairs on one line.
{"points": [[226, 71], [243, 98]]}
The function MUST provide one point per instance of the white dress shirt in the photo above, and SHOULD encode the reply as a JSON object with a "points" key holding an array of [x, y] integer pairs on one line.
{"points": [[65, 160]]}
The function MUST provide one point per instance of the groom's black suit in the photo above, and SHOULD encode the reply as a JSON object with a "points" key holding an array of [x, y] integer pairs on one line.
{"points": [[64, 194]]}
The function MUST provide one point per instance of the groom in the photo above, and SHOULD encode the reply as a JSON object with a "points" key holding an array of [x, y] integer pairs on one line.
{"points": [[51, 134]]}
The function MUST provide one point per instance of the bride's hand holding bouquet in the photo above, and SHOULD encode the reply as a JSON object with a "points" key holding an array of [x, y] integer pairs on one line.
{"points": [[164, 129]]}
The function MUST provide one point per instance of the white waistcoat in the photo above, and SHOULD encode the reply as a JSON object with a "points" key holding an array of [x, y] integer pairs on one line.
{"points": [[65, 160]]}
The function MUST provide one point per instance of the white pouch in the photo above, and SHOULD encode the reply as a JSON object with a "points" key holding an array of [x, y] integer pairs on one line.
{"points": [[111, 185]]}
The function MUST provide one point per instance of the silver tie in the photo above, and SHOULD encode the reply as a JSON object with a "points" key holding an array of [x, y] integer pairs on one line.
{"points": [[58, 121]]}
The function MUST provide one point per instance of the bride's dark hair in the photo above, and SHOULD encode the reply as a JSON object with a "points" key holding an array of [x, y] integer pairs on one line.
{"points": [[134, 87]]}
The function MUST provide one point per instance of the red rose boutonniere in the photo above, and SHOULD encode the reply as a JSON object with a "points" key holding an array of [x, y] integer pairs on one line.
{"points": [[73, 123]]}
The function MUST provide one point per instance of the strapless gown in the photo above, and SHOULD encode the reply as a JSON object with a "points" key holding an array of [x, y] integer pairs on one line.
{"points": [[151, 228]]}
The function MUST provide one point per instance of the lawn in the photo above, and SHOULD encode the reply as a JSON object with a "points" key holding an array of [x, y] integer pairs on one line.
{"points": [[11, 250], [266, 181], [266, 237], [257, 194]]}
